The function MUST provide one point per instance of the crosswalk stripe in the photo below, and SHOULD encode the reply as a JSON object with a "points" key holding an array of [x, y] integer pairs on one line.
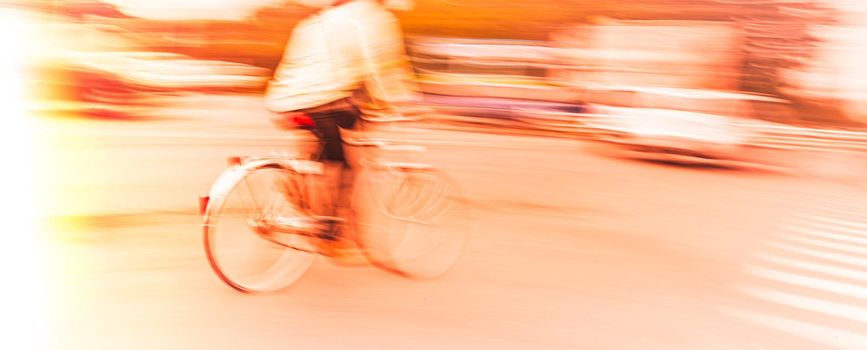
{"points": [[842, 258], [836, 287], [832, 337], [838, 222], [815, 267], [830, 308], [817, 243], [830, 235]]}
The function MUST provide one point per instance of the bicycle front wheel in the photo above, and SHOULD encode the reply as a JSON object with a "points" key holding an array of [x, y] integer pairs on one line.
{"points": [[237, 247], [411, 222]]}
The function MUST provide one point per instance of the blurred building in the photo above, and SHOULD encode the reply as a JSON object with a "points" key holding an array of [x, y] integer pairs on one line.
{"points": [[789, 49], [682, 54], [488, 68], [836, 78]]}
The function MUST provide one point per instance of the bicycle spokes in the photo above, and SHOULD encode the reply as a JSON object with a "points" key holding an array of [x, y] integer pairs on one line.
{"points": [[415, 197]]}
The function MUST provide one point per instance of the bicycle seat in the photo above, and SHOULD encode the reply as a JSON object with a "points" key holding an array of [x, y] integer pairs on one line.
{"points": [[390, 117]]}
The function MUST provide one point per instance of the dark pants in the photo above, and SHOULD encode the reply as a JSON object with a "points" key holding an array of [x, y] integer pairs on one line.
{"points": [[327, 129]]}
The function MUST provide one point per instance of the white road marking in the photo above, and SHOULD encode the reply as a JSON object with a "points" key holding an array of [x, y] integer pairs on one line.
{"points": [[832, 337], [831, 270], [840, 288]]}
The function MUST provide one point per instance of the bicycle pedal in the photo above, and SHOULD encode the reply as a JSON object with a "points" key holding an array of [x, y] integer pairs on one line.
{"points": [[342, 253], [331, 229], [323, 227], [302, 225], [329, 219]]}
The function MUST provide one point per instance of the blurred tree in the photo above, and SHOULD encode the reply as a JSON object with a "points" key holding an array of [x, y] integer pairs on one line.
{"points": [[777, 36]]}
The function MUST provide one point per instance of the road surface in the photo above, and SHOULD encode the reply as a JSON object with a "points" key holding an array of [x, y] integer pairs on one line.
{"points": [[570, 250]]}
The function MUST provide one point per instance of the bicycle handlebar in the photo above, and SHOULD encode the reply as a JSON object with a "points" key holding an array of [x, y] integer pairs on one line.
{"points": [[391, 118], [406, 114]]}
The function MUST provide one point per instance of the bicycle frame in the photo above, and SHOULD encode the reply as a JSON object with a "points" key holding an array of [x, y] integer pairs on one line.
{"points": [[288, 214], [311, 166]]}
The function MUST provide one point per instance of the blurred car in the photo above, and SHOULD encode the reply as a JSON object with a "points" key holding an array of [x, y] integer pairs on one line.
{"points": [[504, 112], [680, 125], [494, 86], [503, 69], [117, 81], [504, 83]]}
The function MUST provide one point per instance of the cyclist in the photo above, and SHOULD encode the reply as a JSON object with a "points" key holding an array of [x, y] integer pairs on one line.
{"points": [[347, 59]]}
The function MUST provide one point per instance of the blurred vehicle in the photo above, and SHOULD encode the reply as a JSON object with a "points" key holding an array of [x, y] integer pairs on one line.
{"points": [[162, 71], [115, 81], [504, 69], [673, 53], [681, 125], [505, 83], [510, 113]]}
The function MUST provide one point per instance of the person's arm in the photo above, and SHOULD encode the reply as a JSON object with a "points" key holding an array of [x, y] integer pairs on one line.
{"points": [[278, 87], [389, 78]]}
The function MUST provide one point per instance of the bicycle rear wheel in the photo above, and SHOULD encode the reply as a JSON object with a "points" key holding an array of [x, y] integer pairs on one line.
{"points": [[237, 246], [411, 222]]}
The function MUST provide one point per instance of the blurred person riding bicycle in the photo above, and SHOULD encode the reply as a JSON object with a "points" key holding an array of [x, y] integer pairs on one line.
{"points": [[343, 61]]}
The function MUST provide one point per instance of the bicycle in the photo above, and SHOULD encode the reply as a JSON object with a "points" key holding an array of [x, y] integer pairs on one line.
{"points": [[406, 218]]}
